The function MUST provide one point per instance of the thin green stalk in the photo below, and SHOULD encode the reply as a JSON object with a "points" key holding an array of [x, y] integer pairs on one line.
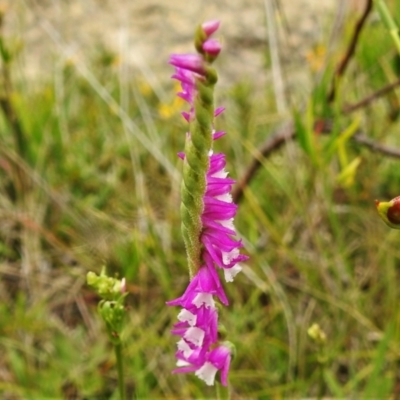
{"points": [[113, 311], [321, 367], [389, 22], [223, 392], [120, 368]]}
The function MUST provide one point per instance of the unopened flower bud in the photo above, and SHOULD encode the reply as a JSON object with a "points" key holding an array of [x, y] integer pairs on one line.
{"points": [[317, 334], [389, 211], [212, 47], [123, 286], [209, 27], [107, 287]]}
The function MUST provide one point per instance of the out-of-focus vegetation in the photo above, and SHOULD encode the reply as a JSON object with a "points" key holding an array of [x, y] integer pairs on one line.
{"points": [[89, 177]]}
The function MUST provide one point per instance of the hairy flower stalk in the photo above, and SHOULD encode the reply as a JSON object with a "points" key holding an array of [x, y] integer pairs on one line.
{"points": [[112, 309], [207, 214]]}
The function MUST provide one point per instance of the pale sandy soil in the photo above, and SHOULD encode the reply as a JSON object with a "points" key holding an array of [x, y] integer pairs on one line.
{"points": [[143, 33]]}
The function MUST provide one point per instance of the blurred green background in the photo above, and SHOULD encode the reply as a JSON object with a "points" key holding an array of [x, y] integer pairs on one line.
{"points": [[89, 131]]}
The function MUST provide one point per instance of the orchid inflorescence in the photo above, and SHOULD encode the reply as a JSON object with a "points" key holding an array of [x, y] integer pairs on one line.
{"points": [[207, 215]]}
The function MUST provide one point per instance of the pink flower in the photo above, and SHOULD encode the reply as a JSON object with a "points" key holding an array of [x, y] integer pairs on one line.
{"points": [[217, 359], [189, 62], [198, 350], [201, 289], [212, 47], [219, 212], [210, 27], [188, 84]]}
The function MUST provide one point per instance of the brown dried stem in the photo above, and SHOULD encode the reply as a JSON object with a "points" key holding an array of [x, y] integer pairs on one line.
{"points": [[287, 133], [371, 98], [341, 67], [274, 142]]}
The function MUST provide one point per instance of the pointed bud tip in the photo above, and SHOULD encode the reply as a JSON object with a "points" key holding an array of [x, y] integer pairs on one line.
{"points": [[123, 285], [209, 27]]}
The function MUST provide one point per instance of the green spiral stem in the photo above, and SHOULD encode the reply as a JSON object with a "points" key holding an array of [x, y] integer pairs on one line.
{"points": [[196, 164]]}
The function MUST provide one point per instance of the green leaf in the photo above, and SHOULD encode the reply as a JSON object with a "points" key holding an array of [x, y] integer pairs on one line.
{"points": [[380, 381], [305, 132], [341, 139], [347, 175]]}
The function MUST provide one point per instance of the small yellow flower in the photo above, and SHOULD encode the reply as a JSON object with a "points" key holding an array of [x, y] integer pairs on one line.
{"points": [[168, 110], [316, 57], [145, 89]]}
